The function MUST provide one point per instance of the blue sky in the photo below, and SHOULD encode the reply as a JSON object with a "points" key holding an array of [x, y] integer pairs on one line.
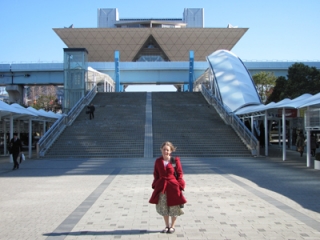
{"points": [[285, 30]]}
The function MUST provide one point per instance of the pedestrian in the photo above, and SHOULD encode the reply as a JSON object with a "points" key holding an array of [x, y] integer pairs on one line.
{"points": [[262, 136], [313, 143], [167, 188], [91, 111], [300, 143], [15, 150]]}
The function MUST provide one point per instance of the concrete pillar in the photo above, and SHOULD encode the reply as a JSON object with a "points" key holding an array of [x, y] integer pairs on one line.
{"points": [[15, 93], [191, 70], [117, 70]]}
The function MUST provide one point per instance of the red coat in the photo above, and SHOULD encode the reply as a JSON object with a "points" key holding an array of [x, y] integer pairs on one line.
{"points": [[165, 181]]}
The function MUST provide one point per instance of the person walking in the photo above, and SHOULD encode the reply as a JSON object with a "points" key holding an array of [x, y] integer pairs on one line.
{"points": [[167, 188], [91, 111], [313, 143], [300, 143], [15, 150]]}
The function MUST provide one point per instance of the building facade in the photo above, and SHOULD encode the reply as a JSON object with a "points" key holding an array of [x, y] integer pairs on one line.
{"points": [[150, 39], [109, 18]]}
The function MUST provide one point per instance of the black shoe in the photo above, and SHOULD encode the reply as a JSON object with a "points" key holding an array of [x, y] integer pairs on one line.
{"points": [[165, 230]]}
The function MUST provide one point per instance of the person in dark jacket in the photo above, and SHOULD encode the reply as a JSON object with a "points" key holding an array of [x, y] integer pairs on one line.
{"points": [[91, 109], [300, 143], [313, 143], [167, 193], [15, 150]]}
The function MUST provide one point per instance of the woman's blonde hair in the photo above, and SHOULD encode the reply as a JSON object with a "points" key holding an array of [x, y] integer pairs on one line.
{"points": [[173, 148]]}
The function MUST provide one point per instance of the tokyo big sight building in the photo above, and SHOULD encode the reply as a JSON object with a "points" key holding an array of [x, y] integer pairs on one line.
{"points": [[150, 51]]}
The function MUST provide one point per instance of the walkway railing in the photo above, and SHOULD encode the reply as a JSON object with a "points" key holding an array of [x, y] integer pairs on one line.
{"points": [[231, 119], [57, 128]]}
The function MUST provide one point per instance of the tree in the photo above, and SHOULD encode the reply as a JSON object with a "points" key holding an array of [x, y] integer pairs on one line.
{"points": [[302, 79], [44, 97], [48, 103], [277, 92], [264, 81]]}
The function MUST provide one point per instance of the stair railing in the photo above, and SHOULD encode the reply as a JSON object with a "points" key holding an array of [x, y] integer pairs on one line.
{"points": [[232, 119], [80, 105], [58, 127]]}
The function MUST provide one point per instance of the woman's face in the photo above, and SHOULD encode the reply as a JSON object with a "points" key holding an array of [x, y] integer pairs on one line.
{"points": [[166, 151]]}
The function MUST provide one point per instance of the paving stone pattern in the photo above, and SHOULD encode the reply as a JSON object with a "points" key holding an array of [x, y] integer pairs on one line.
{"points": [[94, 198], [104, 195]]}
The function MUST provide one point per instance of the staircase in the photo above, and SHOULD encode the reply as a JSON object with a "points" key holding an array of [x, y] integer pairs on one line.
{"points": [[193, 126], [118, 129]]}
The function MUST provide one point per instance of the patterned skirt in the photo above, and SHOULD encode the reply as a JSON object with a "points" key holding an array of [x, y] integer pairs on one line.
{"points": [[163, 209]]}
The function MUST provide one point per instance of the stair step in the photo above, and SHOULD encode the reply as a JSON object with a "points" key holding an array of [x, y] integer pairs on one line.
{"points": [[118, 129]]}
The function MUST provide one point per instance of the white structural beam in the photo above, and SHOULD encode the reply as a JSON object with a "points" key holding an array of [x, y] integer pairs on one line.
{"points": [[266, 137], [30, 138], [284, 145]]}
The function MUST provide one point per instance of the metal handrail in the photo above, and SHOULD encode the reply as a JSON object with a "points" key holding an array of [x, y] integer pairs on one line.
{"points": [[58, 127], [75, 111], [232, 119]]}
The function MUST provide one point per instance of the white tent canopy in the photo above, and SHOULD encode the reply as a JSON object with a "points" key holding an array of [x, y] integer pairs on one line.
{"points": [[305, 100], [16, 111], [302, 101]]}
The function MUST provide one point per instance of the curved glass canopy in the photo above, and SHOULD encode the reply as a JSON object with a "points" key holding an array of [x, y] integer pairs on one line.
{"points": [[231, 81]]}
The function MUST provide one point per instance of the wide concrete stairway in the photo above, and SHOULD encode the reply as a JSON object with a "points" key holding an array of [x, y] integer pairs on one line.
{"points": [[118, 129], [193, 126]]}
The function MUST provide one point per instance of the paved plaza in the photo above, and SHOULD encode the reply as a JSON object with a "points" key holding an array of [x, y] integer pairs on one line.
{"points": [[228, 198]]}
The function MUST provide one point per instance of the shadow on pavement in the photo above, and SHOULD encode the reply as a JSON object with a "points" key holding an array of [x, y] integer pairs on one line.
{"points": [[99, 233]]}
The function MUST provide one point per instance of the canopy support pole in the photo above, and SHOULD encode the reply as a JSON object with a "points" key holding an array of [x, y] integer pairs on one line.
{"points": [[308, 141], [30, 137], [284, 143], [11, 127], [266, 137], [5, 140], [308, 148], [18, 129], [44, 127]]}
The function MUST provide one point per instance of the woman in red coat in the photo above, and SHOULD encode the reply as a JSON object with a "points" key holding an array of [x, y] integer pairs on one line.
{"points": [[167, 194]]}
